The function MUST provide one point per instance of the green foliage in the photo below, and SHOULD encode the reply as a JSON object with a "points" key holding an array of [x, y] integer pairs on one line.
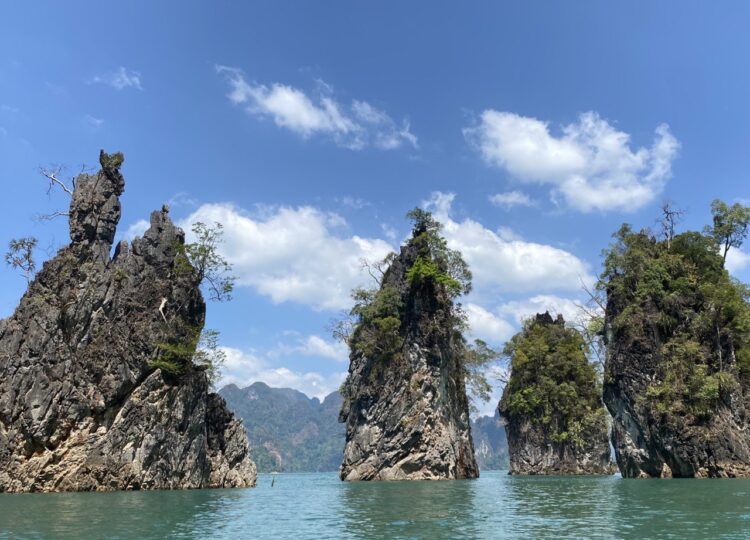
{"points": [[682, 294], [111, 162], [20, 256], [552, 382], [425, 270], [436, 262], [377, 331], [203, 258], [476, 358], [730, 225], [197, 349]]}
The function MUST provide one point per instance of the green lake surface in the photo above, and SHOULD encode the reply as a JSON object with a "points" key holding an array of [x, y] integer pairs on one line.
{"points": [[320, 506]]}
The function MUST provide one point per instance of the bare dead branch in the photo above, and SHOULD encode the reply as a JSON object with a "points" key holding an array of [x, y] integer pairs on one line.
{"points": [[50, 217], [52, 176]]}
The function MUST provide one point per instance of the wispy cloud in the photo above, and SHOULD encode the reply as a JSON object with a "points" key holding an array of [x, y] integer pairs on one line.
{"points": [[119, 79], [355, 126], [509, 199], [94, 122]]}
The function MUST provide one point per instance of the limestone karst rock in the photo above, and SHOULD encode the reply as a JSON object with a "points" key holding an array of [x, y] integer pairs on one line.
{"points": [[81, 406], [405, 403], [676, 374], [554, 418]]}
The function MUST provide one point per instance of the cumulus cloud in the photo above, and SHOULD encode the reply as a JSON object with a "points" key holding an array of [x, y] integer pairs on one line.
{"points": [[119, 79], [486, 325], [509, 199], [355, 126], [136, 229], [501, 262], [314, 346], [590, 165], [244, 368], [293, 254]]}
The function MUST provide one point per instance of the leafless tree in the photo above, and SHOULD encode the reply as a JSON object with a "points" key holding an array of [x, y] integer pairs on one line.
{"points": [[670, 217]]}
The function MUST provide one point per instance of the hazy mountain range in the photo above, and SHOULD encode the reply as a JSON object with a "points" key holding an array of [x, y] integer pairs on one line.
{"points": [[291, 432]]}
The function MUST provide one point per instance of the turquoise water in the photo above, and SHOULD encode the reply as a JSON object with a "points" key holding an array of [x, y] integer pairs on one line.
{"points": [[320, 506]]}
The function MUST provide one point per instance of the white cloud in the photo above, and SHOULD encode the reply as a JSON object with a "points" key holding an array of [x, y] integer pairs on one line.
{"points": [[390, 232], [737, 260], [3, 132], [94, 122], [119, 79], [244, 368], [292, 254], [356, 126], [509, 199], [590, 165], [501, 263], [486, 325], [314, 346], [136, 229]]}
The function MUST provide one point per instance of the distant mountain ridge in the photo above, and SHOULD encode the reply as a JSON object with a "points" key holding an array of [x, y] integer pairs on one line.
{"points": [[287, 430], [291, 432]]}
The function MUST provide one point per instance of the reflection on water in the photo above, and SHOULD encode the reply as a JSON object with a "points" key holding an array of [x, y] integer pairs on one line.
{"points": [[320, 506]]}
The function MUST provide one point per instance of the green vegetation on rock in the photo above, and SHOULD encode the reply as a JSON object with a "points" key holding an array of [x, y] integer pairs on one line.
{"points": [[376, 326], [552, 384], [678, 295]]}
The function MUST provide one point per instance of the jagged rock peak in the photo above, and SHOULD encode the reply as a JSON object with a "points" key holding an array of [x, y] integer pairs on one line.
{"points": [[83, 403], [405, 404], [551, 406]]}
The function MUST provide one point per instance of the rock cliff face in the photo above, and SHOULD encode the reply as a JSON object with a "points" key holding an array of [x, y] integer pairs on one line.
{"points": [[490, 443], [554, 419], [80, 406], [405, 404], [675, 377]]}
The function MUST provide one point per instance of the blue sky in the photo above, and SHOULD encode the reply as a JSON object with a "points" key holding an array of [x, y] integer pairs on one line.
{"points": [[532, 129]]}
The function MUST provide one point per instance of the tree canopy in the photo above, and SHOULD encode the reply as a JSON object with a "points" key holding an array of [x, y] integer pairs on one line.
{"points": [[551, 383]]}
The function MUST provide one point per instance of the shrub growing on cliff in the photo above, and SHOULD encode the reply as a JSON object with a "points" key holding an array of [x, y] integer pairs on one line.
{"points": [[552, 383], [680, 296], [197, 347]]}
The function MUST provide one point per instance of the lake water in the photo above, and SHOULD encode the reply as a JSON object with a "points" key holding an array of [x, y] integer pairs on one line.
{"points": [[320, 506]]}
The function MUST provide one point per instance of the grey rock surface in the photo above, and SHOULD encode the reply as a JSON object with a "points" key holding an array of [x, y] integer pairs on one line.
{"points": [[80, 406]]}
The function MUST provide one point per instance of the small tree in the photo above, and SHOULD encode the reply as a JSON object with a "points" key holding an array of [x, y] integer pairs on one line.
{"points": [[200, 348], [670, 217], [213, 270], [730, 225], [20, 256], [476, 360]]}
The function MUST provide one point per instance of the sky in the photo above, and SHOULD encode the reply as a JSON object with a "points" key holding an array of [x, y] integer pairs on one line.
{"points": [[532, 130]]}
